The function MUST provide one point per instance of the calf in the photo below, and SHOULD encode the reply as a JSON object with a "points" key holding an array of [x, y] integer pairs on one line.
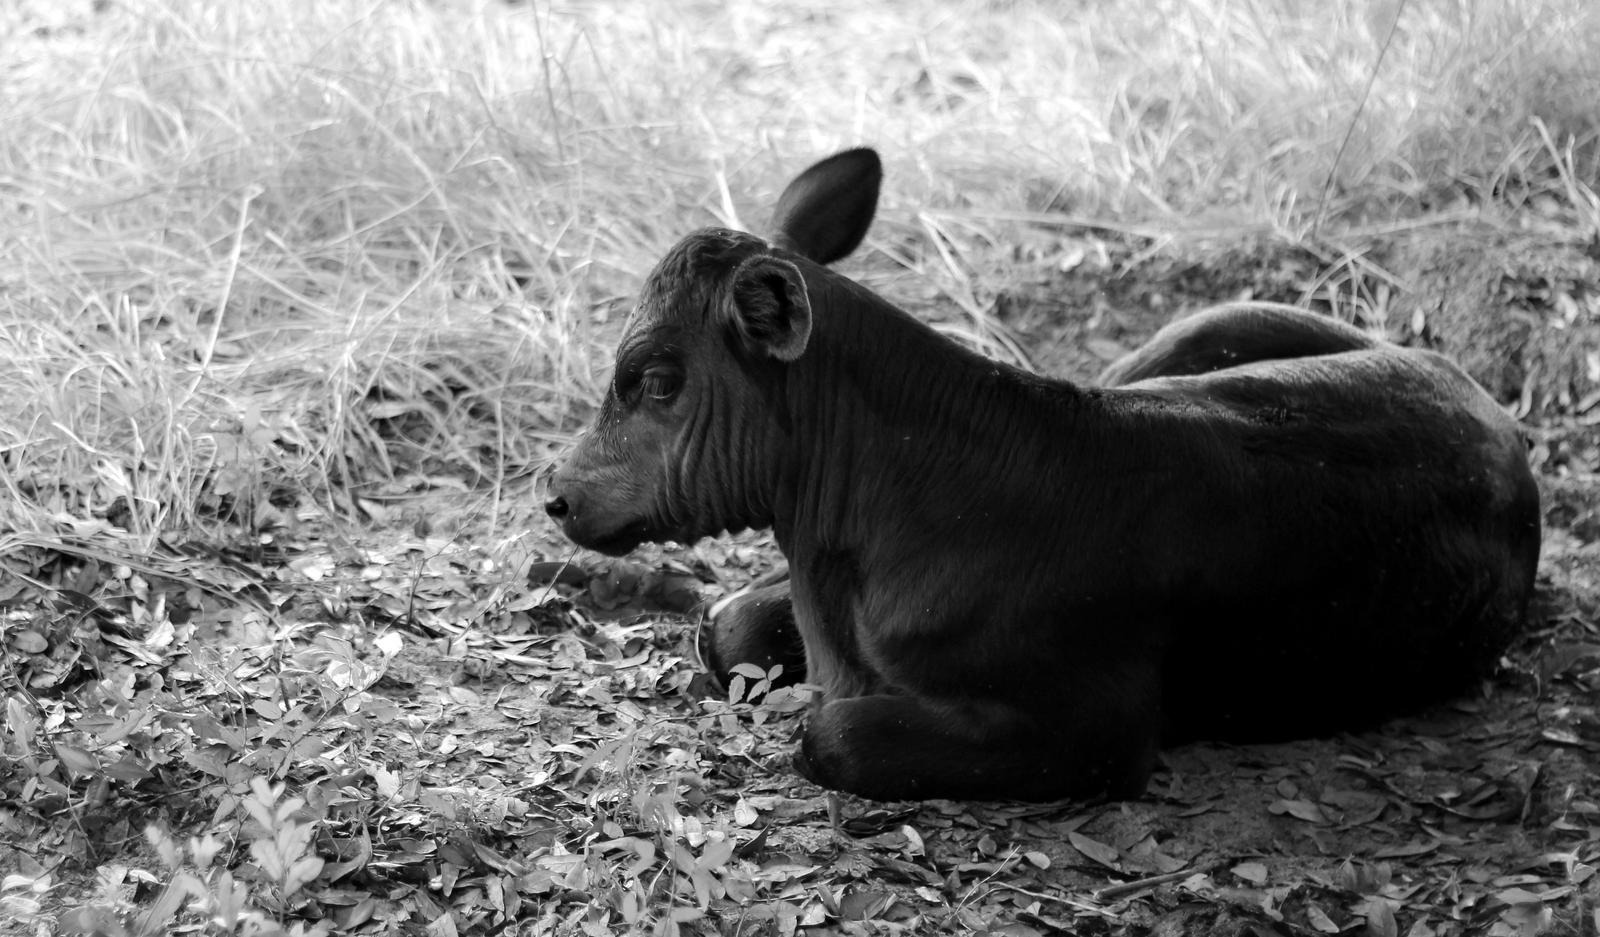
{"points": [[1012, 586]]}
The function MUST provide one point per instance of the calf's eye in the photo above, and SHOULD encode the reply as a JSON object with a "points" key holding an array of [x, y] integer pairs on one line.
{"points": [[660, 385]]}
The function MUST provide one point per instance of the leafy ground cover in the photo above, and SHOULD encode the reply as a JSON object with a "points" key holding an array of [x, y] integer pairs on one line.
{"points": [[300, 298]]}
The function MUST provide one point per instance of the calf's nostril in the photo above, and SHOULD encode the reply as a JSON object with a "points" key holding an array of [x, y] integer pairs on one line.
{"points": [[556, 507]]}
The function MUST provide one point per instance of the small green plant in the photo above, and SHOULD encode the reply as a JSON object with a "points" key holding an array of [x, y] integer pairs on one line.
{"points": [[751, 700], [281, 865]]}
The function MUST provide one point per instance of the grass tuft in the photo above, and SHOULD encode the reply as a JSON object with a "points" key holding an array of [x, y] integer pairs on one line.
{"points": [[263, 255]]}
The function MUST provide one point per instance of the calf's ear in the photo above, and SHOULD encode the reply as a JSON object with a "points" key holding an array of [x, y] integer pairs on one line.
{"points": [[826, 211], [770, 309]]}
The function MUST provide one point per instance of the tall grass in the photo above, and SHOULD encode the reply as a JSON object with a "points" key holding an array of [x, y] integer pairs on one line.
{"points": [[272, 253]]}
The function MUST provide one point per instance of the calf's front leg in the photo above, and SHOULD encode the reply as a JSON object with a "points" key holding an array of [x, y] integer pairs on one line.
{"points": [[890, 747], [756, 627]]}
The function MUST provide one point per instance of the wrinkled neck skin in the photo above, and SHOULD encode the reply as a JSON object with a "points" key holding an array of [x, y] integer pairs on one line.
{"points": [[895, 435], [713, 490]]}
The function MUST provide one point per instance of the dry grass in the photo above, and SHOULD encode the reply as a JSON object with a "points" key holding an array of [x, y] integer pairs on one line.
{"points": [[262, 254]]}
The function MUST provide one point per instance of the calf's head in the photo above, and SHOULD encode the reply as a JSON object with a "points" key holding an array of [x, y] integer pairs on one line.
{"points": [[690, 434], [684, 428]]}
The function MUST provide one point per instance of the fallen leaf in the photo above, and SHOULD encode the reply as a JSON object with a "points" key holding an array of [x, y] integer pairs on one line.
{"points": [[77, 760], [1299, 809], [1096, 850], [1320, 921], [914, 844], [865, 905], [1380, 920], [30, 642]]}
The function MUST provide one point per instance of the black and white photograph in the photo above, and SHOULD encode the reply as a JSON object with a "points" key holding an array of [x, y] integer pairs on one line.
{"points": [[532, 468]]}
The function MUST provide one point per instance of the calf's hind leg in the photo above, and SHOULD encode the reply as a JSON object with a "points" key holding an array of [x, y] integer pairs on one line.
{"points": [[1229, 336], [910, 748]]}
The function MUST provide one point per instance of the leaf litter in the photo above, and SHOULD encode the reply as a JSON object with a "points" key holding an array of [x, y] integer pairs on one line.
{"points": [[532, 741]]}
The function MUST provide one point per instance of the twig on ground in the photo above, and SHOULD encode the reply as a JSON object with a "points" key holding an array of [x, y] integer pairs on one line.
{"points": [[1123, 889], [1043, 896]]}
